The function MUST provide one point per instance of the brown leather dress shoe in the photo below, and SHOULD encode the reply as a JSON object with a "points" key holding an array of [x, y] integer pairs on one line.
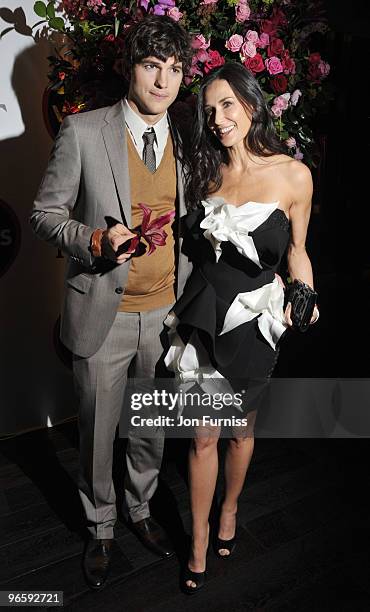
{"points": [[96, 562], [153, 536]]}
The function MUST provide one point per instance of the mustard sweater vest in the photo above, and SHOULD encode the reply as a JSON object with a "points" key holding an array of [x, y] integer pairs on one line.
{"points": [[150, 282]]}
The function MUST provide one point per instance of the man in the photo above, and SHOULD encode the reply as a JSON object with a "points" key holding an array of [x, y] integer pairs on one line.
{"points": [[104, 163]]}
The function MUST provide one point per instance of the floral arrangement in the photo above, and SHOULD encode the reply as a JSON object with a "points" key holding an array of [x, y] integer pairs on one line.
{"points": [[275, 39]]}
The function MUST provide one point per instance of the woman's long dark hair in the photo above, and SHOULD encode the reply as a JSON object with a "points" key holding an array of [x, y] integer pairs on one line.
{"points": [[207, 153]]}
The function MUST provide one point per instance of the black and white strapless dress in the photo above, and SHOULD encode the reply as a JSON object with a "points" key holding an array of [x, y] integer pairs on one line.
{"points": [[230, 318]]}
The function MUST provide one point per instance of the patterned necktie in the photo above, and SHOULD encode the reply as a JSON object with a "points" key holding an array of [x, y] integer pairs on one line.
{"points": [[148, 151]]}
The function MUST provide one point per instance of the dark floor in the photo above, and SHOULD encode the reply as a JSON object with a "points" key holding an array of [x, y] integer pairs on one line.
{"points": [[303, 537]]}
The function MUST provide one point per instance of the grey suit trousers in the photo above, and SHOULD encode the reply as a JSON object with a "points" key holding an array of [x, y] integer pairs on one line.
{"points": [[100, 382]]}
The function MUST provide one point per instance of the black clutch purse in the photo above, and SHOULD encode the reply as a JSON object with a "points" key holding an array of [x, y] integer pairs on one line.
{"points": [[303, 300]]}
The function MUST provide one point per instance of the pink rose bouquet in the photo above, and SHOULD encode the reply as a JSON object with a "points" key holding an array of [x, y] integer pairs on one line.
{"points": [[264, 35]]}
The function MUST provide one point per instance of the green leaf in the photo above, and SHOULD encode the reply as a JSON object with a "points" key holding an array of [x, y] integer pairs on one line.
{"points": [[57, 23], [40, 8], [116, 27], [85, 27], [50, 10]]}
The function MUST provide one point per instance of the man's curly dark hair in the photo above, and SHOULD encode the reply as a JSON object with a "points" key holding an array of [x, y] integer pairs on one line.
{"points": [[158, 36]]}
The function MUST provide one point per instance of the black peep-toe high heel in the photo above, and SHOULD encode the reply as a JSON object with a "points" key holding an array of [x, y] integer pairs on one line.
{"points": [[198, 577], [220, 544]]}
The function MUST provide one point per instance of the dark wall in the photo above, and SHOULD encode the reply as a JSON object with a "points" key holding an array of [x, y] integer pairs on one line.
{"points": [[347, 181], [339, 234]]}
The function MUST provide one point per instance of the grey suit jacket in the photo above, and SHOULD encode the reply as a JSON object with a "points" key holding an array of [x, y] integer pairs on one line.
{"points": [[87, 181]]}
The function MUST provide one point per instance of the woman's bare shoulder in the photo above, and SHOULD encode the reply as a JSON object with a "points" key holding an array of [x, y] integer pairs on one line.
{"points": [[296, 170], [293, 176]]}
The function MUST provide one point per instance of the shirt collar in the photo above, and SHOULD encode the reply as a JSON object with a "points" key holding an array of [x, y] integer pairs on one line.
{"points": [[138, 126]]}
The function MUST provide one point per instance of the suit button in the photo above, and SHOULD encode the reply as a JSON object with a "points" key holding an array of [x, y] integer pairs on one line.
{"points": [[119, 290]]}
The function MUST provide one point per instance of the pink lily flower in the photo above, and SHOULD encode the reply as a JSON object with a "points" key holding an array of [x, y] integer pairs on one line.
{"points": [[152, 231]]}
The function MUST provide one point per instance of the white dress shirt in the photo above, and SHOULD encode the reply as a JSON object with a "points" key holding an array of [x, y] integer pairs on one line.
{"points": [[137, 126]]}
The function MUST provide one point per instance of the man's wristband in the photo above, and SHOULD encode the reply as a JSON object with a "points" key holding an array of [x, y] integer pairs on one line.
{"points": [[95, 243]]}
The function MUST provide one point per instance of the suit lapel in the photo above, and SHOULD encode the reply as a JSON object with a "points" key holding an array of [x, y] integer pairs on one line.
{"points": [[183, 267], [180, 188], [179, 170], [114, 135]]}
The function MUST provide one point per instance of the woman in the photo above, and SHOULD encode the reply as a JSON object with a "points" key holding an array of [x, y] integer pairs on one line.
{"points": [[250, 202]]}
